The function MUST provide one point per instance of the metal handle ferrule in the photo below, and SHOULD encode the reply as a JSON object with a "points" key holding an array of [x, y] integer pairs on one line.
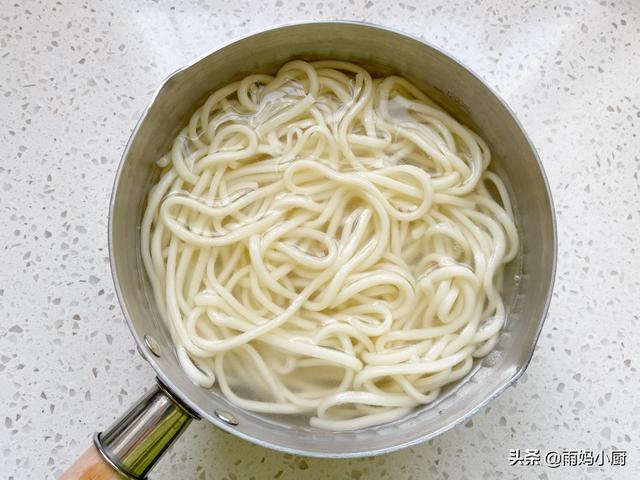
{"points": [[139, 438]]}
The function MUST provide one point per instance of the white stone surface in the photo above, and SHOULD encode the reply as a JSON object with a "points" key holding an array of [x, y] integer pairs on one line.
{"points": [[74, 77]]}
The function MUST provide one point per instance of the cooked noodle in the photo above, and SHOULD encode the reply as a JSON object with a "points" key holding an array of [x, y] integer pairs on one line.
{"points": [[325, 243]]}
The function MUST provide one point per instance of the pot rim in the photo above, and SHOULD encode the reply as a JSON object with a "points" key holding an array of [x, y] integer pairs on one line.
{"points": [[210, 416]]}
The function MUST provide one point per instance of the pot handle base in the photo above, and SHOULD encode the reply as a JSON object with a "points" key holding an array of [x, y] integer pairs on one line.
{"points": [[130, 447]]}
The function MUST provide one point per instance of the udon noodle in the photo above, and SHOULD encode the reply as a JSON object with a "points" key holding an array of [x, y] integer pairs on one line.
{"points": [[325, 243]]}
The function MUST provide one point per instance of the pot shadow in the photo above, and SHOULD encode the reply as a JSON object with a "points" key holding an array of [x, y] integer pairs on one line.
{"points": [[207, 453]]}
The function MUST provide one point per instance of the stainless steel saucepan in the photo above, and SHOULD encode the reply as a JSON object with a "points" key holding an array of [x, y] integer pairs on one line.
{"points": [[137, 440]]}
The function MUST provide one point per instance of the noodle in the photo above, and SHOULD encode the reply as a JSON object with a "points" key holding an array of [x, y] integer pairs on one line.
{"points": [[324, 243]]}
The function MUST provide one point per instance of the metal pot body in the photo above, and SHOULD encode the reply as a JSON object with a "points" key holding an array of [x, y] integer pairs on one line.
{"points": [[528, 281]]}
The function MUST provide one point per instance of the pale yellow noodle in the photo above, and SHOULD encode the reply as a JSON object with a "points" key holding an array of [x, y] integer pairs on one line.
{"points": [[321, 242]]}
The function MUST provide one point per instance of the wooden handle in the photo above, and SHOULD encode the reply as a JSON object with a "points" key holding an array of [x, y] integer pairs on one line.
{"points": [[91, 466]]}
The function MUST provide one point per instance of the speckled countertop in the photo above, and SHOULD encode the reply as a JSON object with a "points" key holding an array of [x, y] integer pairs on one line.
{"points": [[74, 77]]}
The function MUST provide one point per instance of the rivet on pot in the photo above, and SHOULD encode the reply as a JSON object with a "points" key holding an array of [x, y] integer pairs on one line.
{"points": [[152, 345], [227, 417]]}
